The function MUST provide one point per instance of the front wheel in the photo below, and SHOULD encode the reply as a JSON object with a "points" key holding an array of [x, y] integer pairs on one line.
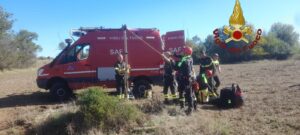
{"points": [[60, 91]]}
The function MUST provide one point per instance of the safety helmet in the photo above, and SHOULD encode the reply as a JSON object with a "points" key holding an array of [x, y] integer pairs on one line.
{"points": [[209, 73], [195, 86], [187, 50], [216, 55]]}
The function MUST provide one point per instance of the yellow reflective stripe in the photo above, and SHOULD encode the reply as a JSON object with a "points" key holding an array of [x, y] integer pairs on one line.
{"points": [[216, 62], [213, 94], [172, 96], [204, 78], [204, 91], [206, 65], [181, 99], [229, 101]]}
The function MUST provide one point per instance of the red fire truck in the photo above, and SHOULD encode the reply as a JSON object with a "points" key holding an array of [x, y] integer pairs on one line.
{"points": [[90, 59]]}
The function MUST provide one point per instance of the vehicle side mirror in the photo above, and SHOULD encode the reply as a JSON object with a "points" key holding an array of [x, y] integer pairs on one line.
{"points": [[68, 41]]}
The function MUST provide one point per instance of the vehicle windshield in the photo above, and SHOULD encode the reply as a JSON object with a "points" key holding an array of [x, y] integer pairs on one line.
{"points": [[55, 59]]}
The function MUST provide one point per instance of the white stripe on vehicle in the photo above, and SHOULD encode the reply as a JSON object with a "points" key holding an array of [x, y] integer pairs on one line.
{"points": [[144, 69], [80, 72], [43, 74], [150, 37], [101, 38]]}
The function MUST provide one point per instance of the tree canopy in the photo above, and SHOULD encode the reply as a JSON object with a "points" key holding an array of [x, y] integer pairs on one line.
{"points": [[278, 43], [17, 50]]}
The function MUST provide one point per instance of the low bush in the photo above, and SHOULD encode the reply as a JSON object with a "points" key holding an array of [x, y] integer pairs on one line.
{"points": [[108, 113], [54, 125], [153, 106]]}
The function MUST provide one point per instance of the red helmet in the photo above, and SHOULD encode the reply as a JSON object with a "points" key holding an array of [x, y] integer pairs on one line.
{"points": [[187, 50], [209, 73], [195, 86]]}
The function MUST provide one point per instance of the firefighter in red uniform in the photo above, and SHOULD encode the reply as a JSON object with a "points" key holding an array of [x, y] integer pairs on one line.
{"points": [[120, 70], [184, 77], [169, 77]]}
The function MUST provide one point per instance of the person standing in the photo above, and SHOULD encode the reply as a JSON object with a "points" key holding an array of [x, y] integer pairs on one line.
{"points": [[185, 74], [216, 62], [120, 70], [169, 77]]}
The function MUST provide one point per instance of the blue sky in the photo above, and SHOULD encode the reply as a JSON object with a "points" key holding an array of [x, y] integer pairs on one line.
{"points": [[52, 19]]}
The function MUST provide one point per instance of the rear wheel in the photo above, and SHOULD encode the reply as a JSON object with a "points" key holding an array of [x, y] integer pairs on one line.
{"points": [[60, 91], [140, 87]]}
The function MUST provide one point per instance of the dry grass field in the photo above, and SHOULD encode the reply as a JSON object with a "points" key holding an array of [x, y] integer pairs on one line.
{"points": [[271, 90]]}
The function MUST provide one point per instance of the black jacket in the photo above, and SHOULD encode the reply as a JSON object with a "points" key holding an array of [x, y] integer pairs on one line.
{"points": [[169, 68], [206, 63], [119, 66], [185, 66]]}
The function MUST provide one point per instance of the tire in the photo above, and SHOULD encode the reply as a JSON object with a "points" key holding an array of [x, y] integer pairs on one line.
{"points": [[140, 87], [60, 91]]}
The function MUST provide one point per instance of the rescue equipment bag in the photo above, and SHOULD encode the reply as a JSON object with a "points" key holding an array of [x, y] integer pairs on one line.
{"points": [[230, 97]]}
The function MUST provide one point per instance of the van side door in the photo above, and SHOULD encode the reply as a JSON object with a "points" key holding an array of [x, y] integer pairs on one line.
{"points": [[76, 68]]}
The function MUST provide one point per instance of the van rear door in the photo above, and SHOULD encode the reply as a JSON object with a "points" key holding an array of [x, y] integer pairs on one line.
{"points": [[174, 41]]}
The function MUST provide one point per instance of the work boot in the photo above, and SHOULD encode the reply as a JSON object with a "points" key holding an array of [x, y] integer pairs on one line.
{"points": [[188, 111], [166, 101], [119, 96], [181, 104], [195, 106], [175, 101]]}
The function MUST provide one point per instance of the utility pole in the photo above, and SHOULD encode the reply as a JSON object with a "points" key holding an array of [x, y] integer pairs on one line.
{"points": [[126, 60]]}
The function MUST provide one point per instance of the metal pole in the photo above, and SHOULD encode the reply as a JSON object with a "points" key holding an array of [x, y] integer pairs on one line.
{"points": [[126, 61]]}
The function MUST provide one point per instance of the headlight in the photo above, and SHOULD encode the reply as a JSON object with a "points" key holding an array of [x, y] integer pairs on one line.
{"points": [[40, 72]]}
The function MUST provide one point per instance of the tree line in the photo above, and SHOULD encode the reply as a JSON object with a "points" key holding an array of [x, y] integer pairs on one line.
{"points": [[280, 42], [17, 49]]}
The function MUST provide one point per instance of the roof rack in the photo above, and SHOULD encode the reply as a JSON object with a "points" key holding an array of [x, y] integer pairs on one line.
{"points": [[83, 30]]}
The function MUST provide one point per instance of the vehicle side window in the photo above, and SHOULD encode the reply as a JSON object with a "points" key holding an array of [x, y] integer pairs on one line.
{"points": [[80, 52], [83, 53]]}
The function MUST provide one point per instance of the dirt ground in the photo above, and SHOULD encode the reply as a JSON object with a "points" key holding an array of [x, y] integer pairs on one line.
{"points": [[271, 90]]}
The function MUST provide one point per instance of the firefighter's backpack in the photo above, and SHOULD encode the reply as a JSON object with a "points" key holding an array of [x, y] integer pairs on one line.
{"points": [[231, 97]]}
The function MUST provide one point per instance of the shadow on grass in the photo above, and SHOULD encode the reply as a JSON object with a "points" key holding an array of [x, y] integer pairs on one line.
{"points": [[34, 98], [293, 86], [112, 93], [211, 107], [63, 124]]}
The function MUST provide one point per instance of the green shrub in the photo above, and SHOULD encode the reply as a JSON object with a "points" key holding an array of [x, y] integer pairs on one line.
{"points": [[58, 124], [296, 53], [154, 106], [106, 112]]}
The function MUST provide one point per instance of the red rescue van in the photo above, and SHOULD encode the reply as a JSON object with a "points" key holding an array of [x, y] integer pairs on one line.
{"points": [[89, 61]]}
